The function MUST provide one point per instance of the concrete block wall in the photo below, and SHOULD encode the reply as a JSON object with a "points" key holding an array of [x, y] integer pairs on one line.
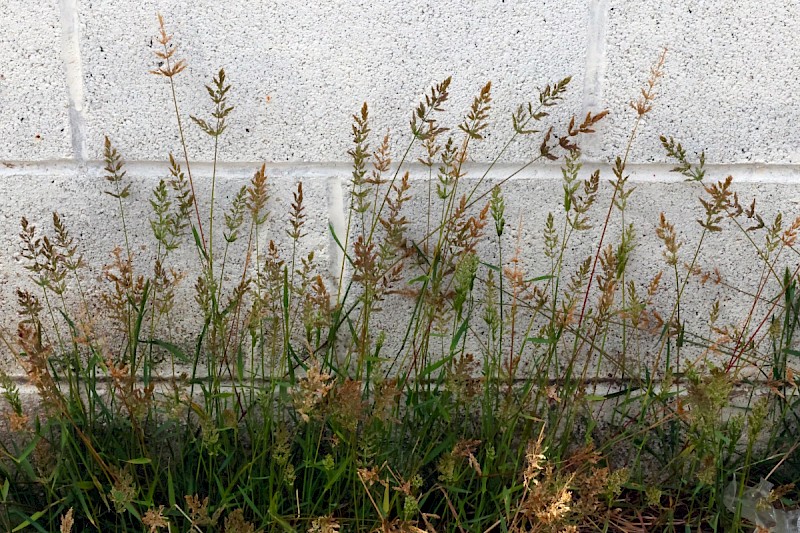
{"points": [[74, 71]]}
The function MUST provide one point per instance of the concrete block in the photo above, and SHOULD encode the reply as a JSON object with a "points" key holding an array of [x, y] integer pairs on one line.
{"points": [[318, 62], [33, 93], [730, 76]]}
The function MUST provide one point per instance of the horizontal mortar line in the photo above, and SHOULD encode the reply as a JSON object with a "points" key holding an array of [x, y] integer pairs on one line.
{"points": [[777, 173]]}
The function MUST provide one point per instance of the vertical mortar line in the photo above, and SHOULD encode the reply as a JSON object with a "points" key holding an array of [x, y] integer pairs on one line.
{"points": [[73, 69], [595, 72], [337, 220]]}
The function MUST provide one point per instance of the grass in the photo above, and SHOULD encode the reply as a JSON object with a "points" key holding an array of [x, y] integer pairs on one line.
{"points": [[575, 399]]}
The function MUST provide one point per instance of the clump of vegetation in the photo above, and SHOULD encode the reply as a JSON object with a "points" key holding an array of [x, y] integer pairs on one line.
{"points": [[506, 400]]}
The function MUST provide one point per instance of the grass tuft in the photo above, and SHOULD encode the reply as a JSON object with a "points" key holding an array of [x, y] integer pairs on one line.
{"points": [[437, 385]]}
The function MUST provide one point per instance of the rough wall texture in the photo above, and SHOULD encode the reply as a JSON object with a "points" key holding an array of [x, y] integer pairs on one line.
{"points": [[75, 71]]}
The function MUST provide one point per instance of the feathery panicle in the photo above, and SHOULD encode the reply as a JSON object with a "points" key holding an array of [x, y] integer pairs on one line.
{"points": [[29, 307], [155, 520], [297, 214], [235, 523], [65, 243], [381, 164], [203, 291], [365, 262], [198, 511], [772, 238], [35, 360], [360, 155], [45, 258], [123, 492], [676, 151], [545, 149], [169, 67], [718, 206], [497, 207], [644, 104], [184, 195], [550, 237], [17, 419], [624, 248], [165, 225], [621, 190], [577, 282], [431, 147], [478, 115], [466, 232], [218, 91], [114, 172], [448, 169], [577, 206], [31, 246], [666, 232], [464, 281], [606, 280], [789, 236], [165, 280], [585, 127], [67, 521], [257, 196], [549, 96], [534, 461], [422, 125], [312, 391], [127, 289], [317, 308], [395, 223], [568, 142], [347, 403], [166, 65], [234, 217]]}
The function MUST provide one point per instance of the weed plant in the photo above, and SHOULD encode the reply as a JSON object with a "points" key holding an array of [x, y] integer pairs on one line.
{"points": [[506, 400]]}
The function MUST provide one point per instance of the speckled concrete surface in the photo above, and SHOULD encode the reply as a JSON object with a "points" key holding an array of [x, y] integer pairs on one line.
{"points": [[730, 80], [318, 62], [34, 122]]}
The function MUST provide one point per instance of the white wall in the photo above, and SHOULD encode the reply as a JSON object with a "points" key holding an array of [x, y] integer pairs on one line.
{"points": [[74, 71]]}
